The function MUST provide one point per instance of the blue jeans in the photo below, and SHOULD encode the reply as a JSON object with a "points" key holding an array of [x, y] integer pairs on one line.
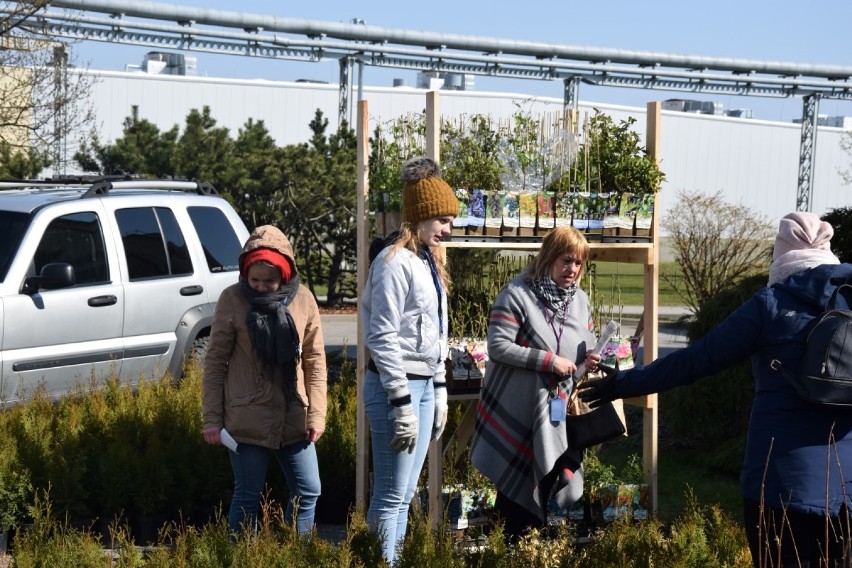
{"points": [[395, 474], [301, 470]]}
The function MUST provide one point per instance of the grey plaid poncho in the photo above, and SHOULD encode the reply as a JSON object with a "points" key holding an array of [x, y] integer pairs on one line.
{"points": [[514, 442]]}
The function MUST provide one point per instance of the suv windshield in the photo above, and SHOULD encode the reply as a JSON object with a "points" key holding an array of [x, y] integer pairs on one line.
{"points": [[13, 225]]}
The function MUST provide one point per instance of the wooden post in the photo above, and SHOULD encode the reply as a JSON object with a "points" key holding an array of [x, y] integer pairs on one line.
{"points": [[650, 421], [362, 435], [433, 125]]}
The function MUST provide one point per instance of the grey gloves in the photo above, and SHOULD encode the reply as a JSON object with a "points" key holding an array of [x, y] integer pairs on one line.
{"points": [[404, 428], [440, 412], [405, 422]]}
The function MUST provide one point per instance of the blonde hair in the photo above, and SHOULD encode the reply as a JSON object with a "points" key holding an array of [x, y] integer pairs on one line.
{"points": [[558, 242], [409, 239]]}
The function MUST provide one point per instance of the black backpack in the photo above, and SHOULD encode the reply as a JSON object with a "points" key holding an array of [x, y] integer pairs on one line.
{"points": [[825, 373]]}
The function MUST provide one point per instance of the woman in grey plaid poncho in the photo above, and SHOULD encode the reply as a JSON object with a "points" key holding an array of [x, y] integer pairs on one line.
{"points": [[539, 331]]}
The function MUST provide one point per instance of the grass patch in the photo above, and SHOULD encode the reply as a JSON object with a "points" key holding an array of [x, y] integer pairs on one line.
{"points": [[679, 467], [623, 283]]}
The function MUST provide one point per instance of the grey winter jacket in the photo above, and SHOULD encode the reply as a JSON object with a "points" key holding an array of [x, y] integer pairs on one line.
{"points": [[400, 317]]}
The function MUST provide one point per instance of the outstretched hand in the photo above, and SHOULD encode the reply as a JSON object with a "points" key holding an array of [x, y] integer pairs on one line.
{"points": [[601, 391]]}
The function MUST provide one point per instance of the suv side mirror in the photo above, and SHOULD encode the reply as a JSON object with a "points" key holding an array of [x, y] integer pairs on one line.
{"points": [[54, 275]]}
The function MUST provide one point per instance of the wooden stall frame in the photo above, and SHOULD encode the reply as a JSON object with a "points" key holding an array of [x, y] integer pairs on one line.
{"points": [[643, 253]]}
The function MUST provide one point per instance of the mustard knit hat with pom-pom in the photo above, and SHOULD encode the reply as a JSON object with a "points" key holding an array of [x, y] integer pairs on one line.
{"points": [[425, 195]]}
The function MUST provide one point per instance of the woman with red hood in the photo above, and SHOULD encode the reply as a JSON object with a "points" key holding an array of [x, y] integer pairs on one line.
{"points": [[265, 380]]}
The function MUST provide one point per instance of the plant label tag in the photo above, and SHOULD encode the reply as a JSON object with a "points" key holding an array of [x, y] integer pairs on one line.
{"points": [[557, 409]]}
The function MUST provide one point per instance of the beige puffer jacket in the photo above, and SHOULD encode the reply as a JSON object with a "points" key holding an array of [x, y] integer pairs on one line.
{"points": [[236, 393]]}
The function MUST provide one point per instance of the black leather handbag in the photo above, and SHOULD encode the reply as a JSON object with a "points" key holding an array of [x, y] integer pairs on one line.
{"points": [[593, 427]]}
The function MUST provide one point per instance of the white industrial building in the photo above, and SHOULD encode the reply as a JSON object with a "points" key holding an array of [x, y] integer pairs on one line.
{"points": [[753, 162]]}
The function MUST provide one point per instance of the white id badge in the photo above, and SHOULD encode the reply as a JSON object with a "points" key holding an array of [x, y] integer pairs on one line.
{"points": [[557, 409]]}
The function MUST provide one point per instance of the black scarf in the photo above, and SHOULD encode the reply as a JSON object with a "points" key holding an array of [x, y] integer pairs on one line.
{"points": [[556, 298], [273, 332], [426, 255]]}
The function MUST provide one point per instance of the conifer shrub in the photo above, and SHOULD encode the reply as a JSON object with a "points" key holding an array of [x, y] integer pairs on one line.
{"points": [[841, 243], [715, 409], [337, 448]]}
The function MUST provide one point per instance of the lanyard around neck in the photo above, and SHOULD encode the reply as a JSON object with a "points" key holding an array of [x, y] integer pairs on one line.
{"points": [[436, 278], [557, 335]]}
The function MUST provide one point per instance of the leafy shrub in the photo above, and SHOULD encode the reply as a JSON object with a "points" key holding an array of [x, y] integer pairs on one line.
{"points": [[15, 486], [615, 159], [52, 543], [478, 276], [700, 536]]}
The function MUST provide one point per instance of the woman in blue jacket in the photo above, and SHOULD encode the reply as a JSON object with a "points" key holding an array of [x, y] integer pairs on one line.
{"points": [[796, 481], [404, 310]]}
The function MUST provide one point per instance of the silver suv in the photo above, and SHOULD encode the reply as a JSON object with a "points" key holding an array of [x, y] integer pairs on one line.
{"points": [[108, 277]]}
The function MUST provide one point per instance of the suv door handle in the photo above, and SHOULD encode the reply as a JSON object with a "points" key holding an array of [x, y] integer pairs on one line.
{"points": [[191, 290], [99, 301]]}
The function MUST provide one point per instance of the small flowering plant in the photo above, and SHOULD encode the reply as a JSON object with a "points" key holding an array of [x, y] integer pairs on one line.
{"points": [[618, 353]]}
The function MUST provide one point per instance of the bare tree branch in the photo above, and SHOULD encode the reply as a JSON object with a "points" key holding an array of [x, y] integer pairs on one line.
{"points": [[44, 100], [716, 245]]}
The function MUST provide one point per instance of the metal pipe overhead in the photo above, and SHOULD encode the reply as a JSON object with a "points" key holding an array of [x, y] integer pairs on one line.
{"points": [[190, 16], [256, 43]]}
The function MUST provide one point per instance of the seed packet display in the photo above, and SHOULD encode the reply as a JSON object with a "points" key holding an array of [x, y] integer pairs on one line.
{"points": [[511, 210], [611, 219], [468, 358], [528, 206], [618, 353], [597, 210], [627, 209], [476, 209], [645, 211], [546, 210], [582, 209], [564, 209], [461, 220], [495, 201]]}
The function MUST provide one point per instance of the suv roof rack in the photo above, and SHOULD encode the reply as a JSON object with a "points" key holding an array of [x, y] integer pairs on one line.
{"points": [[103, 187]]}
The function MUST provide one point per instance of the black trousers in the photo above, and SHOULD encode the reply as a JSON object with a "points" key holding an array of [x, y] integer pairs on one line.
{"points": [[780, 538], [516, 518]]}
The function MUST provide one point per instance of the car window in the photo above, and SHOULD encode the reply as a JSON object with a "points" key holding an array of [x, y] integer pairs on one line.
{"points": [[222, 247], [154, 246], [13, 225], [178, 252], [78, 240]]}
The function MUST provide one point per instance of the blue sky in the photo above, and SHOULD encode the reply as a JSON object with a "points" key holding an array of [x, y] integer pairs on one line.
{"points": [[814, 32]]}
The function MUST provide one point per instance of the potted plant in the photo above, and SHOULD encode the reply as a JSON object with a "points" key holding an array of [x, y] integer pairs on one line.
{"points": [[615, 168], [470, 163], [392, 144]]}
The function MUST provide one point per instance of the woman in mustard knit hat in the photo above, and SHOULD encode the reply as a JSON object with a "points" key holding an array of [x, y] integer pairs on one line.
{"points": [[404, 310]]}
